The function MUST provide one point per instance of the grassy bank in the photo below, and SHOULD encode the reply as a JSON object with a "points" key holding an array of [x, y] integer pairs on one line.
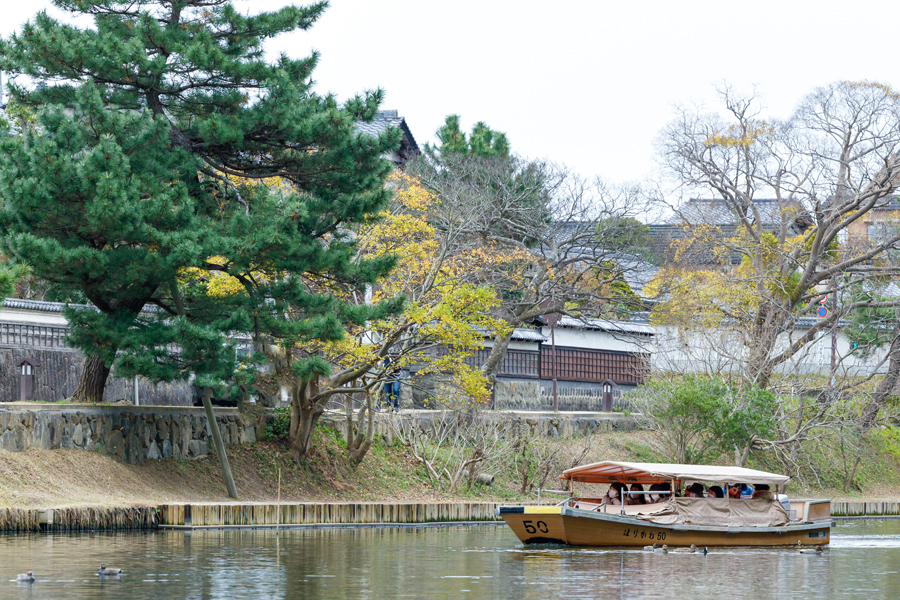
{"points": [[53, 478]]}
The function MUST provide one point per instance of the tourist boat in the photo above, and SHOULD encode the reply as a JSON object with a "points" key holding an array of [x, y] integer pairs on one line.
{"points": [[581, 521]]}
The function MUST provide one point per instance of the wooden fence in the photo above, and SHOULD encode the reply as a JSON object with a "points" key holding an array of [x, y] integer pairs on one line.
{"points": [[309, 513]]}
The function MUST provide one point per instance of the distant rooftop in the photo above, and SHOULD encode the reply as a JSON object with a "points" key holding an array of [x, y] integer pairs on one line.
{"points": [[705, 211], [721, 216], [391, 118], [41, 305], [606, 325]]}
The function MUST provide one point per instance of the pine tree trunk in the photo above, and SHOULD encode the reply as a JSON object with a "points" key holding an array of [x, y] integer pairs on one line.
{"points": [[363, 441], [93, 381], [304, 416], [353, 439]]}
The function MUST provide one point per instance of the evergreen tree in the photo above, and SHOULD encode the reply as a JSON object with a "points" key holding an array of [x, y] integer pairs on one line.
{"points": [[628, 235], [481, 167], [152, 139], [10, 274], [482, 142]]}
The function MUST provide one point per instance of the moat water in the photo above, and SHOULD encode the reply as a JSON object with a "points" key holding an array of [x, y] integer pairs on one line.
{"points": [[863, 561]]}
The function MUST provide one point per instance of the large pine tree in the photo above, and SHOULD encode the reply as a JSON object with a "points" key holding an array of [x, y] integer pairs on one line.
{"points": [[154, 129]]}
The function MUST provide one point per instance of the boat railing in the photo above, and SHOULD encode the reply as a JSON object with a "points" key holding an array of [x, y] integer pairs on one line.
{"points": [[561, 492], [602, 505]]}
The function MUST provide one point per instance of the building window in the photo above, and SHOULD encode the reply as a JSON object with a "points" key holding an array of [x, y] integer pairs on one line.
{"points": [[594, 365], [516, 363]]}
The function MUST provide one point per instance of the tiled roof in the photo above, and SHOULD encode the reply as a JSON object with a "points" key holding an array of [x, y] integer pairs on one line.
{"points": [[704, 249], [700, 211], [390, 118], [800, 323], [528, 335], [636, 271], [40, 305], [519, 335], [605, 325], [383, 119], [57, 307]]}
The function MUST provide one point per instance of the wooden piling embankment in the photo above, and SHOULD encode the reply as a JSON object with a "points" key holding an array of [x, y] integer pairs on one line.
{"points": [[232, 515], [865, 509], [78, 519], [313, 513]]}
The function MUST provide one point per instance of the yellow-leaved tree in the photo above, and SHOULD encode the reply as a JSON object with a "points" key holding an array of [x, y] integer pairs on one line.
{"points": [[445, 319]]}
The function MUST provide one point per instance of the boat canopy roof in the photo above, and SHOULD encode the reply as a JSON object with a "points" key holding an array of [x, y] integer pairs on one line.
{"points": [[629, 472]]}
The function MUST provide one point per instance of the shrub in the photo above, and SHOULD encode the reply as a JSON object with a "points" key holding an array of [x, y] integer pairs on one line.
{"points": [[280, 426], [700, 417]]}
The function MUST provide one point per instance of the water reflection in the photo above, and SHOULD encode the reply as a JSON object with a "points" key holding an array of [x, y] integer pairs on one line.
{"points": [[477, 562]]}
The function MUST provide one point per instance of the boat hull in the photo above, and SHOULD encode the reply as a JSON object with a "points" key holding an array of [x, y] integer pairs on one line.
{"points": [[564, 525]]}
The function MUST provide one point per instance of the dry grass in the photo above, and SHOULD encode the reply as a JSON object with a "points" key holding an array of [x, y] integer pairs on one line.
{"points": [[74, 478]]}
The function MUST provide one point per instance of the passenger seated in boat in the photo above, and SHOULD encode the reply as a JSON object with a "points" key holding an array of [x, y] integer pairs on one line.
{"points": [[623, 492], [762, 491], [638, 498], [614, 494], [740, 490], [695, 491], [659, 487], [715, 492]]}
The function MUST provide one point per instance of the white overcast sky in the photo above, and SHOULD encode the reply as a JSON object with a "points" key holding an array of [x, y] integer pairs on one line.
{"points": [[585, 83]]}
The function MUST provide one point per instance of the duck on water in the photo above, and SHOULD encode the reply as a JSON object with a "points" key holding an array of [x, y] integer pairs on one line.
{"points": [[104, 571]]}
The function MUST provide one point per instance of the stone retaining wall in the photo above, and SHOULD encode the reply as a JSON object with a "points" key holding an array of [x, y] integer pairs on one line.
{"points": [[131, 434], [532, 394], [519, 394], [539, 423], [583, 396]]}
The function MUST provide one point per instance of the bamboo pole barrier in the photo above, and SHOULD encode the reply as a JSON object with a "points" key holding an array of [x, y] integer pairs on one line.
{"points": [[278, 509]]}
